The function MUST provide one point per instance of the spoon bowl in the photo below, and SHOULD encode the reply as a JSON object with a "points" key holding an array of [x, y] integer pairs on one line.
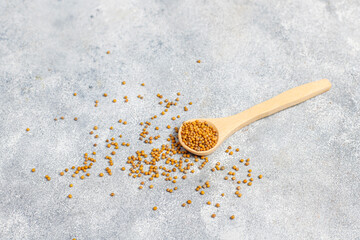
{"points": [[210, 122], [228, 125]]}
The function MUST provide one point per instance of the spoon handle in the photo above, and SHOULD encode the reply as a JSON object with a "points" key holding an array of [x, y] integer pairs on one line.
{"points": [[280, 102]]}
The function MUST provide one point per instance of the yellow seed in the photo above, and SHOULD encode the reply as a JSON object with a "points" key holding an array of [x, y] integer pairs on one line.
{"points": [[232, 217], [33, 170], [28, 129], [199, 135], [112, 194], [213, 215], [188, 201], [260, 176], [71, 185], [69, 196]]}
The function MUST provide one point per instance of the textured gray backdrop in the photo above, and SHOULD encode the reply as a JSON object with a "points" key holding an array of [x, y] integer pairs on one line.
{"points": [[249, 52]]}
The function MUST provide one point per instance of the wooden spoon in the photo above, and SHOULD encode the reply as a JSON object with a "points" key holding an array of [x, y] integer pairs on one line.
{"points": [[228, 125]]}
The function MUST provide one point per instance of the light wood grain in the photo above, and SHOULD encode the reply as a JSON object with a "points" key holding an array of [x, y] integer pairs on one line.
{"points": [[228, 125]]}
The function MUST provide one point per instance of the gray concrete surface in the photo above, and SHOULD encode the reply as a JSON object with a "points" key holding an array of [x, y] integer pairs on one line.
{"points": [[249, 52]]}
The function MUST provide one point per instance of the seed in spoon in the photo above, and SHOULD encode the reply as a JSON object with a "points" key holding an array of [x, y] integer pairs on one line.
{"points": [[199, 136]]}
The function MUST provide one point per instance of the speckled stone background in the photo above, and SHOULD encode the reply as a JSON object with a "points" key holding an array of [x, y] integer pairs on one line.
{"points": [[249, 51]]}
